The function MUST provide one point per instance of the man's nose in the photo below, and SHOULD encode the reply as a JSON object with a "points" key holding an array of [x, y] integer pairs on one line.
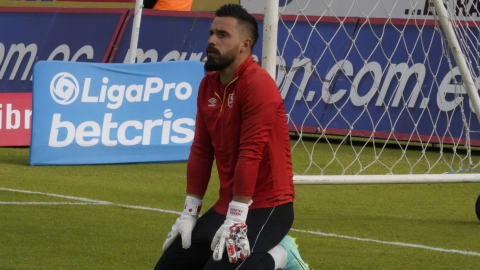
{"points": [[212, 40]]}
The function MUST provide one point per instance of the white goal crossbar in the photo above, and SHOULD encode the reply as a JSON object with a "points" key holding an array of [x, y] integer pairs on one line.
{"points": [[385, 179]]}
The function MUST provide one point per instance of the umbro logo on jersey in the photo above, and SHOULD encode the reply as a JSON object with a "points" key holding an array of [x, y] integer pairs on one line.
{"points": [[213, 102]]}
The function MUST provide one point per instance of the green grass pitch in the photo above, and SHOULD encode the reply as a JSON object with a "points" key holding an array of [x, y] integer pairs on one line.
{"points": [[337, 227]]}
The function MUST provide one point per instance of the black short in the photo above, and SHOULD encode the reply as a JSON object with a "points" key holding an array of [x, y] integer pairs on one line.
{"points": [[266, 228]]}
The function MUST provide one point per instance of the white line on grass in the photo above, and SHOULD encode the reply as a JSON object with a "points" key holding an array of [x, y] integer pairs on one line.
{"points": [[97, 202], [463, 252], [56, 195], [148, 208], [47, 203], [91, 200]]}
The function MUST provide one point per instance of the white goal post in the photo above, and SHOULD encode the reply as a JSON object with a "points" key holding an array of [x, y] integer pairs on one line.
{"points": [[137, 19], [377, 91]]}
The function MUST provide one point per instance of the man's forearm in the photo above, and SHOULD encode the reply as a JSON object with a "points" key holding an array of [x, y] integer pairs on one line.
{"points": [[242, 199], [199, 169]]}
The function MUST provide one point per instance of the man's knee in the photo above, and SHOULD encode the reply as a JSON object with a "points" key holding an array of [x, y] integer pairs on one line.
{"points": [[176, 257], [256, 261]]}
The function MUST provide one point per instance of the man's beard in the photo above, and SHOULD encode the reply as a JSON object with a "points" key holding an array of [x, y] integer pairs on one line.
{"points": [[222, 62]]}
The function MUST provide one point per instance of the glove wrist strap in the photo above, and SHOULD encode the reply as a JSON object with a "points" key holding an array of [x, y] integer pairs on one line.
{"points": [[237, 211], [192, 206]]}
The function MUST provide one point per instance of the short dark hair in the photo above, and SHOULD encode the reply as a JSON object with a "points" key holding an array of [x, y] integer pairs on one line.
{"points": [[243, 17]]}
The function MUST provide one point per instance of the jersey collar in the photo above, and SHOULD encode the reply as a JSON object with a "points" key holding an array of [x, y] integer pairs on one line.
{"points": [[238, 73]]}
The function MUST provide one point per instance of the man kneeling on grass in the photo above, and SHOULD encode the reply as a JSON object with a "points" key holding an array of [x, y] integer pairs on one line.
{"points": [[241, 123]]}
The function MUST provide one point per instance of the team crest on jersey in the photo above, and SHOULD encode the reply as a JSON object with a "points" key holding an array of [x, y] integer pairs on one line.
{"points": [[213, 102], [230, 100]]}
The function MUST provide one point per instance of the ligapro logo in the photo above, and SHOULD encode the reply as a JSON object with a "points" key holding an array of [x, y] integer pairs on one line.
{"points": [[64, 88], [119, 127]]}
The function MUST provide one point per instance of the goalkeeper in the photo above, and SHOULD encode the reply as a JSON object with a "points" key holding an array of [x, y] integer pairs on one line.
{"points": [[241, 123]]}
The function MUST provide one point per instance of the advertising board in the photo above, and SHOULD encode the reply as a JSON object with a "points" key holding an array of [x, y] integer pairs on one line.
{"points": [[15, 119], [307, 62], [89, 113], [35, 34], [166, 36], [69, 3], [389, 90], [310, 64], [397, 9]]}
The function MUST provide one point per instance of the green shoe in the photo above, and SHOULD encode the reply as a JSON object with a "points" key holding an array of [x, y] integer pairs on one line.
{"points": [[294, 260]]}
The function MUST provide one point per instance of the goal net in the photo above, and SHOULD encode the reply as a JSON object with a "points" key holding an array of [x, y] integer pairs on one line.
{"points": [[372, 90]]}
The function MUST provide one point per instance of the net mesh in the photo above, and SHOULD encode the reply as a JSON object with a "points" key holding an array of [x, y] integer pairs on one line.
{"points": [[371, 87]]}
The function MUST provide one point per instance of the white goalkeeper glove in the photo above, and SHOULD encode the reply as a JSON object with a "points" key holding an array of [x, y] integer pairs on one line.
{"points": [[232, 234], [185, 223]]}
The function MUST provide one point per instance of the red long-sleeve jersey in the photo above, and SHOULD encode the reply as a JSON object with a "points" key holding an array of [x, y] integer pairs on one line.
{"points": [[242, 125]]}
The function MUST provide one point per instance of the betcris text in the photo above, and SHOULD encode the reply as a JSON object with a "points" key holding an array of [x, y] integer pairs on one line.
{"points": [[66, 91]]}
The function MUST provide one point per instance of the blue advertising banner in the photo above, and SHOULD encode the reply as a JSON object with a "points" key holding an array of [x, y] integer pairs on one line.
{"points": [[166, 36], [397, 92], [28, 35], [402, 97], [403, 88], [88, 113]]}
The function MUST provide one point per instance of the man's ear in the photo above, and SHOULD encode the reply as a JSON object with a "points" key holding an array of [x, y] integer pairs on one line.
{"points": [[246, 45]]}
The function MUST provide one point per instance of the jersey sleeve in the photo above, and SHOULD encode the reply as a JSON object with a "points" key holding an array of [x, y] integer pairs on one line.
{"points": [[259, 102], [200, 161]]}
